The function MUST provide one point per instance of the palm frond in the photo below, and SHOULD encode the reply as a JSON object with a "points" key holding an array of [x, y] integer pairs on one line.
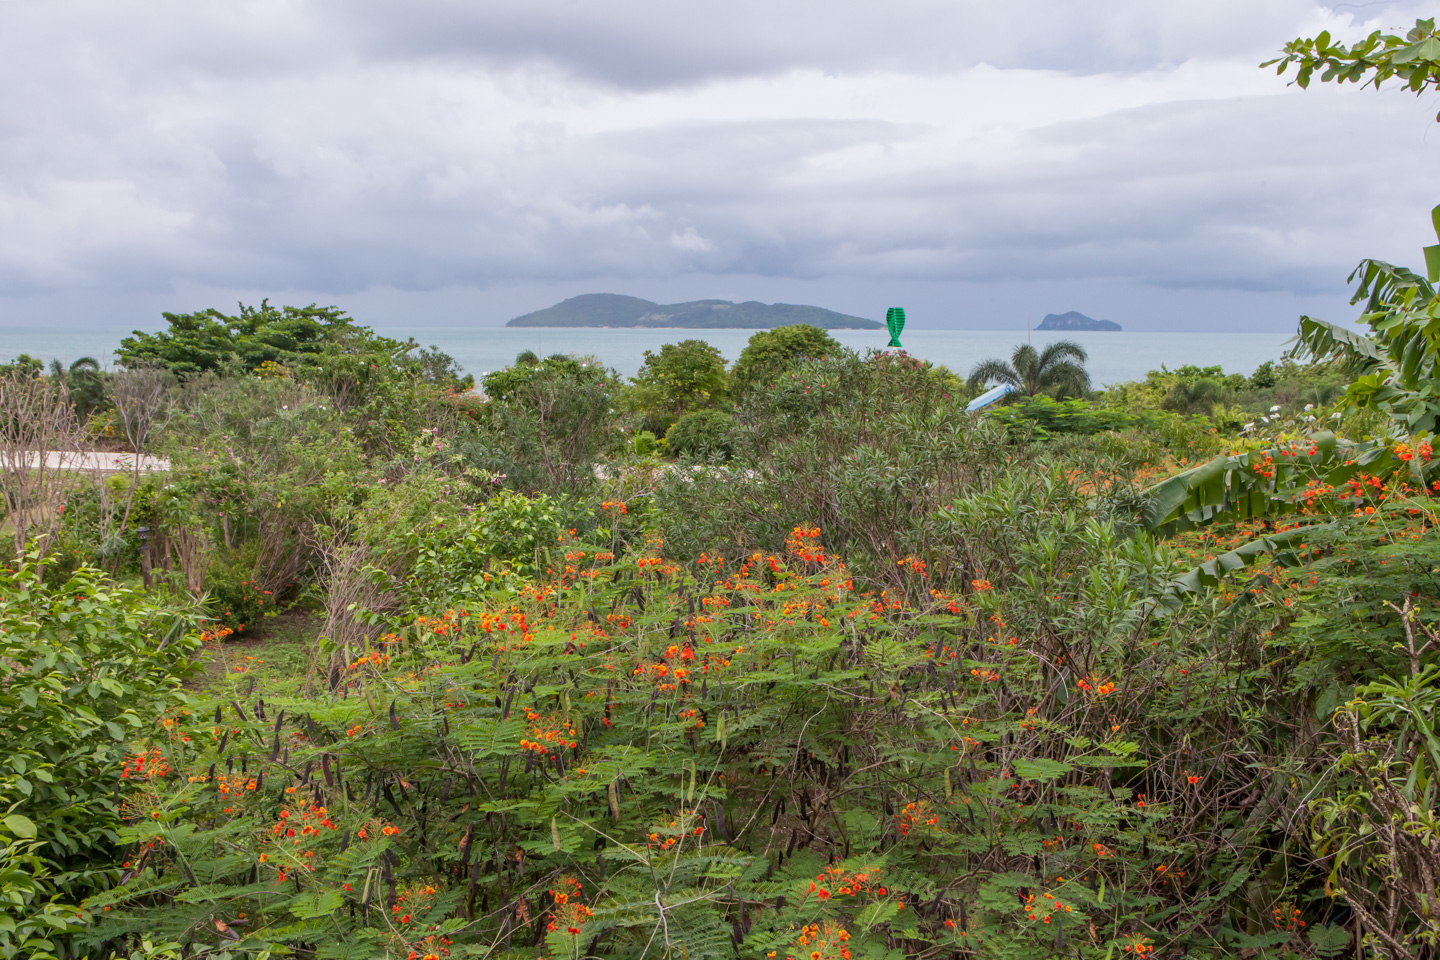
{"points": [[993, 370], [1062, 351], [1066, 377]]}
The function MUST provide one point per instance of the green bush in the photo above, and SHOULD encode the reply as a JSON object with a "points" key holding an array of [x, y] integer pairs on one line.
{"points": [[771, 353], [703, 435], [508, 536], [89, 667], [235, 599], [867, 447], [547, 424], [644, 443], [682, 377]]}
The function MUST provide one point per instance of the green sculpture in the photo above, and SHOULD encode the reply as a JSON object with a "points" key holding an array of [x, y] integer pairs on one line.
{"points": [[895, 322]]}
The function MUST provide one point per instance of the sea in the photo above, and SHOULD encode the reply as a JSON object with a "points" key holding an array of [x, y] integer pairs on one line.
{"points": [[1115, 357]]}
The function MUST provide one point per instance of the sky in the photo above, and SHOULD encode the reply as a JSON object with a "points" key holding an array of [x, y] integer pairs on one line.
{"points": [[439, 162]]}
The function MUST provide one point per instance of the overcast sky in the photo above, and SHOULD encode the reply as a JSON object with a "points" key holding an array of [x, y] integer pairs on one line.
{"points": [[462, 162]]}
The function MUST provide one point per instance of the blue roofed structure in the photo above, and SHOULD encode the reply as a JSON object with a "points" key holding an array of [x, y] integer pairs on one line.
{"points": [[989, 396]]}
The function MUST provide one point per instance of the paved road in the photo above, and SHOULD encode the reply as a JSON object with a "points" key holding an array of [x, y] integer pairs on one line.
{"points": [[103, 462]]}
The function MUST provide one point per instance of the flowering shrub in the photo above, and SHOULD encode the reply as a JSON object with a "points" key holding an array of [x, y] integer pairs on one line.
{"points": [[750, 754]]}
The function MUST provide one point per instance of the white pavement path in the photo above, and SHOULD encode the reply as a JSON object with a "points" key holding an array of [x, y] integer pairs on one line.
{"points": [[99, 461]]}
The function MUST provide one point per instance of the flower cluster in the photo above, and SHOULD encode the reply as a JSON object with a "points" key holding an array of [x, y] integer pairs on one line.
{"points": [[149, 765], [838, 881], [547, 733], [1404, 452], [1095, 685], [570, 912], [915, 814], [820, 941]]}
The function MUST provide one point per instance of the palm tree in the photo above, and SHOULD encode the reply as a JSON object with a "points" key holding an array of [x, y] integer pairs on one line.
{"points": [[1057, 370], [83, 381]]}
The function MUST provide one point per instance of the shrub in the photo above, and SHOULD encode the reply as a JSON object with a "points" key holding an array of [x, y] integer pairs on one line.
{"points": [[236, 600], [703, 435], [644, 443], [89, 667], [682, 377], [759, 757], [866, 447], [511, 535], [1264, 376], [547, 424], [770, 353]]}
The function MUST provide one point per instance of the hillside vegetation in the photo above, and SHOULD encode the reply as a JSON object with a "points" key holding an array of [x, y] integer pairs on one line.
{"points": [[615, 310]]}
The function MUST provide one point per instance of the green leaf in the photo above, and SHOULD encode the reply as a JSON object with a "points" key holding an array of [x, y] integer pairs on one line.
{"points": [[22, 826], [311, 906], [1041, 769]]}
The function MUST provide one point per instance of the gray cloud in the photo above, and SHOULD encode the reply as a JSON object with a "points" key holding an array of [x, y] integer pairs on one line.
{"points": [[341, 147]]}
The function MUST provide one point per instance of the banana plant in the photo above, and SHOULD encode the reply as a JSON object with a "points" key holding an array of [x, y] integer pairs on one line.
{"points": [[1398, 368], [1399, 363], [1262, 483]]}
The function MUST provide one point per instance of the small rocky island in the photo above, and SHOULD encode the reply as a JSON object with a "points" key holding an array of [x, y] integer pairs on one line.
{"points": [[1075, 320], [615, 310]]}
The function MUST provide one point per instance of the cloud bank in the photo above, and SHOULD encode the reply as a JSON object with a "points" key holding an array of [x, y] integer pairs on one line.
{"points": [[342, 147]]}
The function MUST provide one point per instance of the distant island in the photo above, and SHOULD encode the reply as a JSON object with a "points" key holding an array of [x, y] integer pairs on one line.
{"points": [[1075, 320], [616, 310]]}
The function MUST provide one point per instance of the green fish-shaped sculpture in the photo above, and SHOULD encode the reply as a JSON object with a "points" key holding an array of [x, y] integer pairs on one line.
{"points": [[895, 322]]}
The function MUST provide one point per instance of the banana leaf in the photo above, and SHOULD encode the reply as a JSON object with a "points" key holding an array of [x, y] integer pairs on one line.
{"points": [[1228, 488]]}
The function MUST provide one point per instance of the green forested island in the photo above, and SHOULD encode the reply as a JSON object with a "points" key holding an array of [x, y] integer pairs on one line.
{"points": [[340, 654], [1075, 320], [615, 310]]}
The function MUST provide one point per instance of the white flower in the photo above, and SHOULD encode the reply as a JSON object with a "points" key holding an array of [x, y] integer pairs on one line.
{"points": [[1309, 407], [1275, 409], [1249, 426], [1264, 419], [1335, 416]]}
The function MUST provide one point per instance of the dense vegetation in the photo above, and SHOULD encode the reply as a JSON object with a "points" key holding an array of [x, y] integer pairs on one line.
{"points": [[790, 659]]}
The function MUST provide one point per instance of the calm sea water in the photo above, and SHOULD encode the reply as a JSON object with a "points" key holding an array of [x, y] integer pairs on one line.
{"points": [[1114, 357]]}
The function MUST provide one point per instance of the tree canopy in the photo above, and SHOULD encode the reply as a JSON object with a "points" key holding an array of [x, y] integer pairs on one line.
{"points": [[770, 353], [314, 337], [681, 377]]}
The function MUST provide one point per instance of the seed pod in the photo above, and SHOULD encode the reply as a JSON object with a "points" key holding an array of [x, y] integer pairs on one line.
{"points": [[720, 821], [613, 790], [394, 724]]}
